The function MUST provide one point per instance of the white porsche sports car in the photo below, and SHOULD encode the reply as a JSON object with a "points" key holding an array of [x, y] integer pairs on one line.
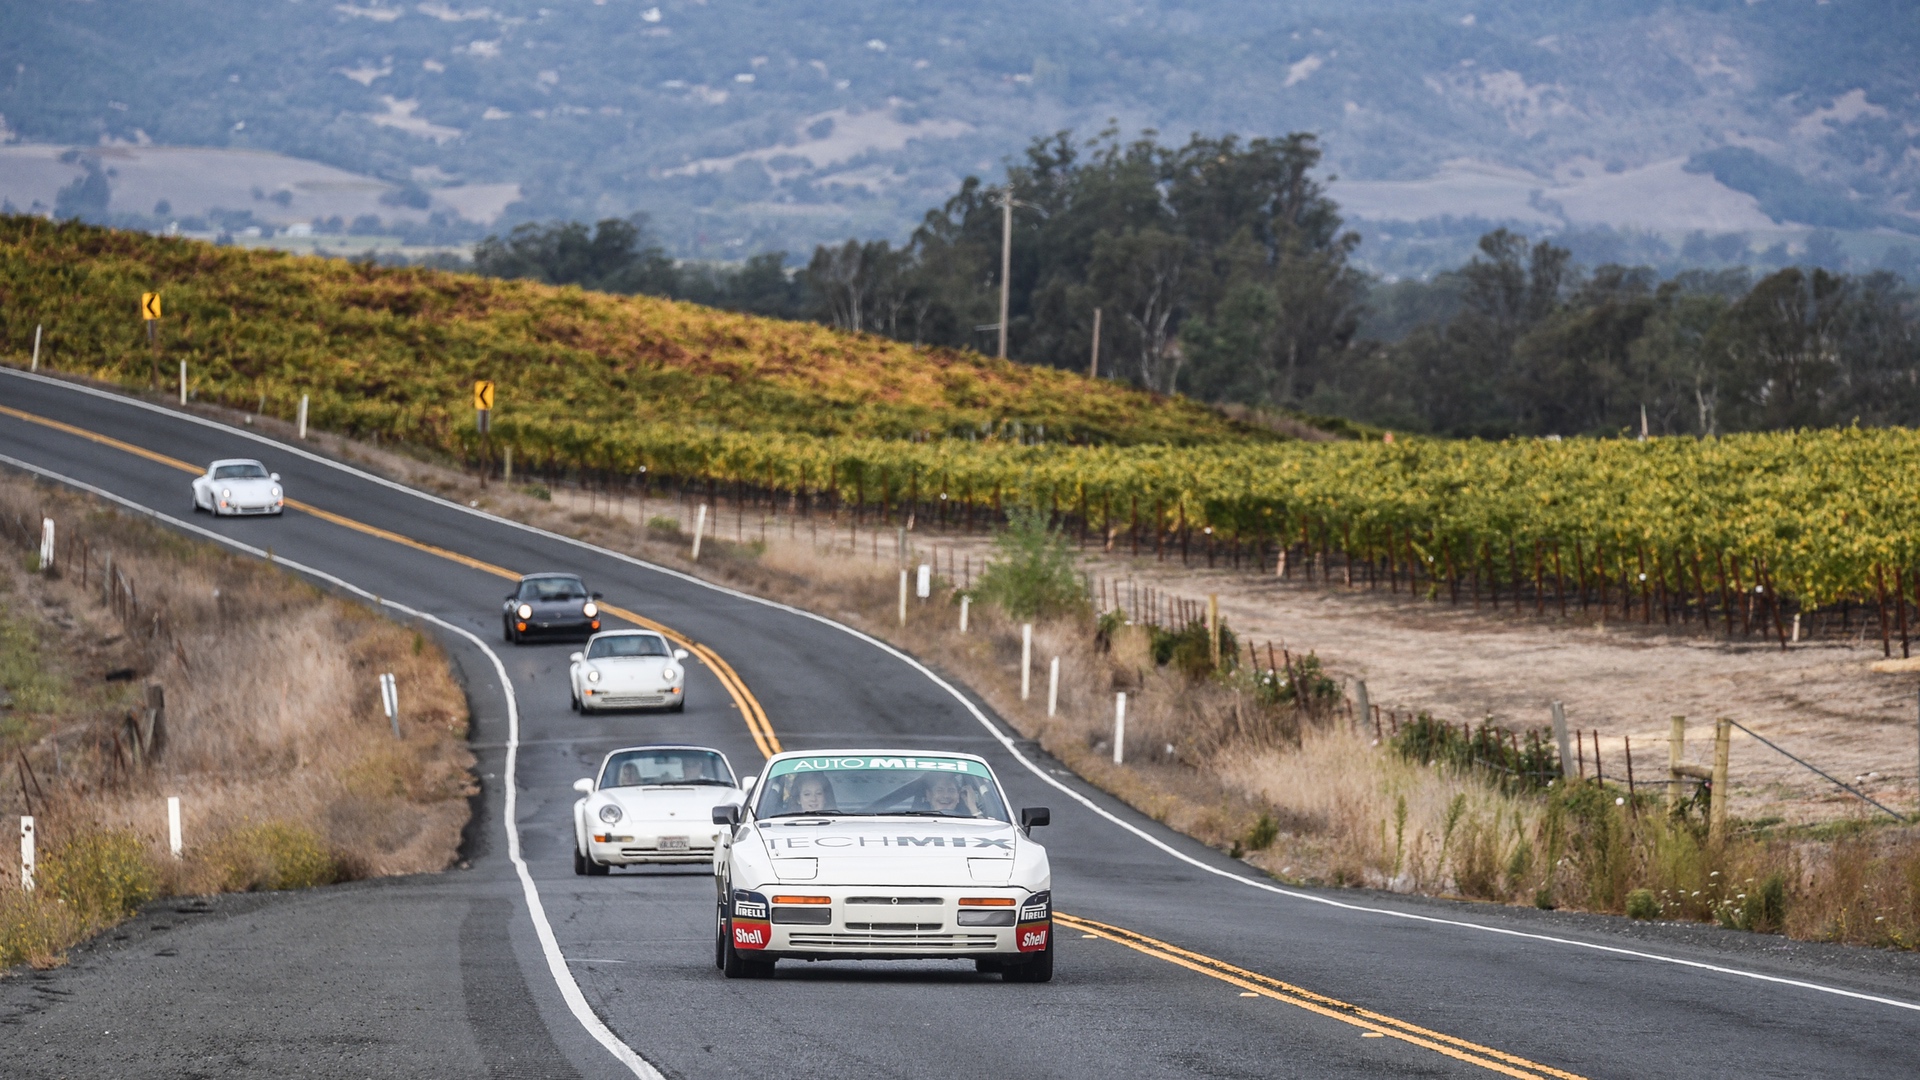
{"points": [[651, 804], [881, 855], [628, 669], [238, 486]]}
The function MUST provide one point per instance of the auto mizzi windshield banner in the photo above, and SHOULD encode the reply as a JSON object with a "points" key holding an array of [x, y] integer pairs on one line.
{"points": [[900, 764]]}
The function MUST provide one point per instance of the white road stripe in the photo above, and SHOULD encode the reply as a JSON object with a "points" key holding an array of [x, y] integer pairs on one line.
{"points": [[1005, 740], [556, 961]]}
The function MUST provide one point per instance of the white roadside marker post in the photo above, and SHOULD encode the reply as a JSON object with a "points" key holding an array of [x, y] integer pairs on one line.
{"points": [[36, 348], [1120, 728], [1053, 687], [174, 840], [699, 529], [390, 701], [26, 853], [46, 545], [183, 382], [903, 596], [303, 418], [1026, 661], [923, 582], [965, 602]]}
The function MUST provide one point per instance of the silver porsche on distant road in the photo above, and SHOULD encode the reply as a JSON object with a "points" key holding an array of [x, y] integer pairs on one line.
{"points": [[628, 669]]}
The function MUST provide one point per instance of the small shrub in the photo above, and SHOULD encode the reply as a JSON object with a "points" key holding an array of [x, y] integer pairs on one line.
{"points": [[1189, 650], [276, 855], [1264, 831], [1033, 575], [34, 928], [1642, 905], [663, 528], [1762, 909], [538, 491], [101, 877], [1306, 684]]}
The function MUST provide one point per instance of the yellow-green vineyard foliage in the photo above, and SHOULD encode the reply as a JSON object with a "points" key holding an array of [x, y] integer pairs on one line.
{"points": [[621, 384]]}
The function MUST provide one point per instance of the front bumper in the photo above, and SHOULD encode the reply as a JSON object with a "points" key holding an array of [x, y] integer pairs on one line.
{"points": [[640, 844], [577, 626], [869, 922], [229, 508], [596, 699]]}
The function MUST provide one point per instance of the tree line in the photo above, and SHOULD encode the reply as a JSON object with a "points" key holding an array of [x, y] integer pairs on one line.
{"points": [[1221, 269]]}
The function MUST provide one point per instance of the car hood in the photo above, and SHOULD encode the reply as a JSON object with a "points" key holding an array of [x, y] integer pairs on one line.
{"points": [[693, 805], [246, 489], [891, 851]]}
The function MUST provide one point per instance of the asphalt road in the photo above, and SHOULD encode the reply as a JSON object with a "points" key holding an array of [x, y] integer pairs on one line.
{"points": [[447, 974]]}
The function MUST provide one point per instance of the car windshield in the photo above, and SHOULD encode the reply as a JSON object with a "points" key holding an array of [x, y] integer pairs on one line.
{"points": [[875, 785], [637, 768], [553, 588], [248, 471], [628, 645]]}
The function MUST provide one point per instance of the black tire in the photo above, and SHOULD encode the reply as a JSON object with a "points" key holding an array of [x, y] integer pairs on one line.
{"points": [[595, 869], [987, 967], [579, 861], [720, 938], [735, 966], [506, 632], [679, 706], [573, 701], [1037, 970]]}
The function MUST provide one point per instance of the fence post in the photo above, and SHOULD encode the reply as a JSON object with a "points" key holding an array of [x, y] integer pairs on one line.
{"points": [[1560, 737], [1722, 744], [965, 602], [1213, 628], [1026, 660], [1676, 753], [390, 701], [1120, 728], [699, 529], [26, 853], [1053, 687], [174, 840]]}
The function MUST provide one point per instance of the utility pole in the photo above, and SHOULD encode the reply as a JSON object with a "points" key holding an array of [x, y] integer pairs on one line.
{"points": [[1093, 364], [1006, 261]]}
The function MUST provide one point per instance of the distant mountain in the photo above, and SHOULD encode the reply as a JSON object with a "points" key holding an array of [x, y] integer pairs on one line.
{"points": [[744, 125]]}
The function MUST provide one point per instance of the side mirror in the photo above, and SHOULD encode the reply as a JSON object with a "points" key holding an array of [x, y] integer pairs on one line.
{"points": [[275, 477], [599, 596], [1033, 816], [584, 785], [576, 657], [679, 654], [728, 815]]}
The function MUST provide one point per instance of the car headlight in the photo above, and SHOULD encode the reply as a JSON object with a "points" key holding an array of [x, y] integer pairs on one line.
{"points": [[670, 673], [589, 609], [593, 676], [226, 493], [276, 493], [525, 611], [610, 813]]}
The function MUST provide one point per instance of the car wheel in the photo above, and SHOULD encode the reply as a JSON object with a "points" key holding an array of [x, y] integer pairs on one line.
{"points": [[579, 861], [987, 967], [595, 869], [573, 701], [720, 937], [735, 966], [679, 706], [1037, 970], [506, 631]]}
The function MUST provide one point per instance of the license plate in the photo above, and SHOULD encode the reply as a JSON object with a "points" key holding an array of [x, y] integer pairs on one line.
{"points": [[673, 843]]}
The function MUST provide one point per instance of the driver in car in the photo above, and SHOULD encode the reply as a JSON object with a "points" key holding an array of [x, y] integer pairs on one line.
{"points": [[813, 795], [943, 794]]}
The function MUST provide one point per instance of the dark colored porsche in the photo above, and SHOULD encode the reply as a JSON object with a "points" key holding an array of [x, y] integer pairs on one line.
{"points": [[549, 605]]}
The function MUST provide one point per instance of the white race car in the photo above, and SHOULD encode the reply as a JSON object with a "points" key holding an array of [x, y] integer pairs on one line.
{"points": [[628, 669], [881, 855], [238, 486], [651, 804]]}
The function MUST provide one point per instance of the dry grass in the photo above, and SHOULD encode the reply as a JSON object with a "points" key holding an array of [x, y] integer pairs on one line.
{"points": [[276, 744]]}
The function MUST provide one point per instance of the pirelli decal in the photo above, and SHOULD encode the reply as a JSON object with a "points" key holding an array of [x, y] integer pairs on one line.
{"points": [[971, 843]]}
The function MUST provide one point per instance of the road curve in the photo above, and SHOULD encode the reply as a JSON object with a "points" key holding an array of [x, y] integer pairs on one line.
{"points": [[1173, 960]]}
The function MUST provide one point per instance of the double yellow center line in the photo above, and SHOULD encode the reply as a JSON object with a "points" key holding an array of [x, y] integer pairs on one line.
{"points": [[1251, 982], [750, 709]]}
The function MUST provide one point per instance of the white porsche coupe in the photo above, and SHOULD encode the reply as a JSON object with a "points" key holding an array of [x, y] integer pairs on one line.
{"points": [[238, 486], [651, 804], [881, 855], [628, 669]]}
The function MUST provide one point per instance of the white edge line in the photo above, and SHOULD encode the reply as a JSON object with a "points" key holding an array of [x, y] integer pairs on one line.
{"points": [[556, 961], [1005, 741]]}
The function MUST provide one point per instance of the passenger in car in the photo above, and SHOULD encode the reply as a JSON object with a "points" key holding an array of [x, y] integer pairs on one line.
{"points": [[813, 794], [945, 794]]}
